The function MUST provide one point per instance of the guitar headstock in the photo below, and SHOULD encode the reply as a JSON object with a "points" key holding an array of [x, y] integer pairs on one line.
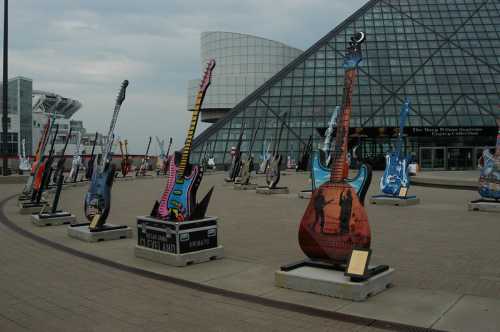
{"points": [[121, 94], [170, 141], [207, 76], [353, 54]]}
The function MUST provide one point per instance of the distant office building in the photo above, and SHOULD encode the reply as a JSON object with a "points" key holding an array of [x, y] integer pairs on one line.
{"points": [[19, 114], [244, 62], [444, 55]]}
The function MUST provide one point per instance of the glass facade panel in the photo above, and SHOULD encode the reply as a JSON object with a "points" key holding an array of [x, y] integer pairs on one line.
{"points": [[444, 55]]}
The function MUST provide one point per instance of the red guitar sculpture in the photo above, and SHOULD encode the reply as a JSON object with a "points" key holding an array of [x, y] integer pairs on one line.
{"points": [[335, 220]]}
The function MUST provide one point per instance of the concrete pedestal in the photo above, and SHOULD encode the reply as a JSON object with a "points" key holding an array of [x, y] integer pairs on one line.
{"points": [[179, 259], [305, 194], [392, 200], [332, 283], [250, 186], [53, 219], [484, 205], [267, 191], [83, 233], [30, 208]]}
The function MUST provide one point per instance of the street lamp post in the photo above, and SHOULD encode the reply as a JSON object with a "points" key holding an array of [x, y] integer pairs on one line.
{"points": [[5, 87]]}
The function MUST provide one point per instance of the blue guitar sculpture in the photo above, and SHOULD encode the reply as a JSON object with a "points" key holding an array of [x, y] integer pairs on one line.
{"points": [[320, 173], [98, 197], [489, 180], [396, 179]]}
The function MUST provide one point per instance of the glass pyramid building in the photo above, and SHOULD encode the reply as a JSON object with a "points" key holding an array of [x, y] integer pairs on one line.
{"points": [[443, 54]]}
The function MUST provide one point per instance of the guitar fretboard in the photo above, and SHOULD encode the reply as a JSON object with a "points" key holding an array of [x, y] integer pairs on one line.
{"points": [[341, 139], [186, 152]]}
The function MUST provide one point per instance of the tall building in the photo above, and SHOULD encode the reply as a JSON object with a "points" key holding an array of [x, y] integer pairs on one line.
{"points": [[244, 62], [444, 55], [19, 114]]}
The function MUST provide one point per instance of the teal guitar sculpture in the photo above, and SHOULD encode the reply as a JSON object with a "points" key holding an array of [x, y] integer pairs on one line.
{"points": [[321, 172]]}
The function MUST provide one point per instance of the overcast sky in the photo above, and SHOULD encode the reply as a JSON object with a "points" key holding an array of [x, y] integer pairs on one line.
{"points": [[84, 49]]}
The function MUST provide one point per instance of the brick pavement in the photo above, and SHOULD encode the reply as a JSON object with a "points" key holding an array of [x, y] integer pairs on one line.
{"points": [[43, 289]]}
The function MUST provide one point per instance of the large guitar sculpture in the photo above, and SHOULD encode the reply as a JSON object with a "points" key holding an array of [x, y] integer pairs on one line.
{"points": [[98, 197], [76, 162], [161, 164], [273, 171], [264, 157], [24, 161], [320, 172], [303, 160], [247, 163], [178, 202], [335, 220], [60, 176], [91, 162], [59, 169], [396, 178], [489, 180], [234, 168], [144, 162], [39, 155], [44, 170]]}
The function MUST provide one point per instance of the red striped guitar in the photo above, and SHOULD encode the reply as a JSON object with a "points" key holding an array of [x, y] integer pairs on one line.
{"points": [[335, 220]]}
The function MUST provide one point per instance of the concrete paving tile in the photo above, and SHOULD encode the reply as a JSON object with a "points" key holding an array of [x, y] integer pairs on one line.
{"points": [[255, 280], [417, 307], [472, 313], [308, 299]]}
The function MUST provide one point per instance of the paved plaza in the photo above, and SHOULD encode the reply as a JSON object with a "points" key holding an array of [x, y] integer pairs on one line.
{"points": [[446, 260]]}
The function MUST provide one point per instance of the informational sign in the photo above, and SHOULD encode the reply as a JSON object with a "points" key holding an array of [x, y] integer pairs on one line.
{"points": [[373, 132]]}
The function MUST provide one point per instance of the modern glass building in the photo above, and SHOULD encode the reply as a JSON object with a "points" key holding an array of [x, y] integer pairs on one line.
{"points": [[444, 55], [244, 63], [19, 114]]}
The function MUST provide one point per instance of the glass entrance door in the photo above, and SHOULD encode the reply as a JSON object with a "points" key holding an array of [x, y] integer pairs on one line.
{"points": [[460, 158], [433, 158]]}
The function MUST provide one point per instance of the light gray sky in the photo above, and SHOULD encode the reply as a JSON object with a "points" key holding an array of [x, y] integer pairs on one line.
{"points": [[84, 49]]}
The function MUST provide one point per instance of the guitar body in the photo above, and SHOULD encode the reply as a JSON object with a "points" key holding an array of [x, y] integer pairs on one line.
{"points": [[273, 173], [24, 164], [361, 182], [98, 197], [246, 170], [181, 200], [333, 224], [396, 175], [489, 180]]}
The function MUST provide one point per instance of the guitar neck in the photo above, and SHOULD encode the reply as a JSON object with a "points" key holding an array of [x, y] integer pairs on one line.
{"points": [[497, 150], [342, 137], [186, 152]]}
